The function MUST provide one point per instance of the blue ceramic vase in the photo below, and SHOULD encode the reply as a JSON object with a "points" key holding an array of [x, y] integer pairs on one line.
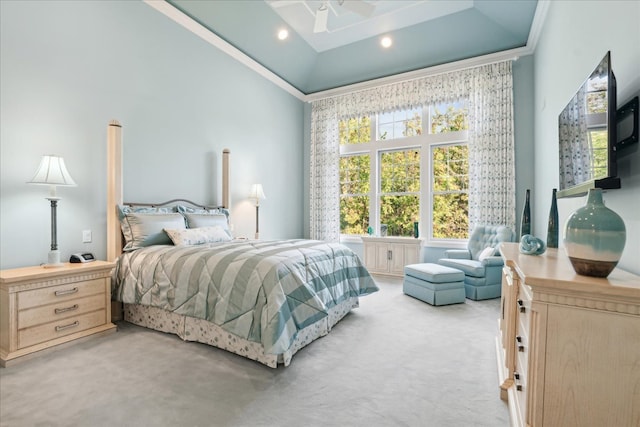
{"points": [[594, 237]]}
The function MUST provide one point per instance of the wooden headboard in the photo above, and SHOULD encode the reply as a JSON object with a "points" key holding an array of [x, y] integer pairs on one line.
{"points": [[114, 188]]}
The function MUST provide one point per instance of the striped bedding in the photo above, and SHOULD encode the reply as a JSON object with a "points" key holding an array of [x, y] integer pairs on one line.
{"points": [[262, 291]]}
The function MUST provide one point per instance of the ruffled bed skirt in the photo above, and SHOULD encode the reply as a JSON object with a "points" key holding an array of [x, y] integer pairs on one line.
{"points": [[199, 330]]}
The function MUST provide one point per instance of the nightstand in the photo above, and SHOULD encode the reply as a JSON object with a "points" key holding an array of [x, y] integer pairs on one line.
{"points": [[44, 307]]}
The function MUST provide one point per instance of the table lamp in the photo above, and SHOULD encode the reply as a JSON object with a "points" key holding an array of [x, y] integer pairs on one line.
{"points": [[257, 193], [53, 172]]}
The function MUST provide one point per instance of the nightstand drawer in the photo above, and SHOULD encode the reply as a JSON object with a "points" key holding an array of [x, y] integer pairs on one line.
{"points": [[37, 334], [55, 294], [61, 310]]}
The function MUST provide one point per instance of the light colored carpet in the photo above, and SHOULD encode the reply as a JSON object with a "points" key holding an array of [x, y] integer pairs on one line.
{"points": [[395, 361]]}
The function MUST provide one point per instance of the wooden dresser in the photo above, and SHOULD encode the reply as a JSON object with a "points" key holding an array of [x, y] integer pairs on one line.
{"points": [[43, 307], [569, 345]]}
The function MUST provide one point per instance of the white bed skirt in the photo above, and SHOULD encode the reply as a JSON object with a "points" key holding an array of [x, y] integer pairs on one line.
{"points": [[199, 330]]}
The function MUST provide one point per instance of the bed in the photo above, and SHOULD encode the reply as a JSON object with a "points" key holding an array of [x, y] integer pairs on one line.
{"points": [[179, 270]]}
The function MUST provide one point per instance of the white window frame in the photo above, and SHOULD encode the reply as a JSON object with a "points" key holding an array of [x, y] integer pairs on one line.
{"points": [[460, 138], [423, 142]]}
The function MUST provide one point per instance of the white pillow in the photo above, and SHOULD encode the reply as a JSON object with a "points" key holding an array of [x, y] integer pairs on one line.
{"points": [[486, 253], [197, 236]]}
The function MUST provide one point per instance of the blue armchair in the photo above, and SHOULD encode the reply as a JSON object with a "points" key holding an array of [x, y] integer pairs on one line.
{"points": [[482, 267]]}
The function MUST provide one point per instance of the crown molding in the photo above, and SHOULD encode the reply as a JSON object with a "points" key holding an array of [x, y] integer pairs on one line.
{"points": [[505, 55], [542, 8]]}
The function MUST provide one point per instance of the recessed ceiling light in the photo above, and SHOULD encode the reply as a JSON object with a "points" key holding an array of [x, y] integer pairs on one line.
{"points": [[386, 42], [283, 34]]}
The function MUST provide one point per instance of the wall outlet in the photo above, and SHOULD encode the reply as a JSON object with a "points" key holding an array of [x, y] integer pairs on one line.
{"points": [[86, 236]]}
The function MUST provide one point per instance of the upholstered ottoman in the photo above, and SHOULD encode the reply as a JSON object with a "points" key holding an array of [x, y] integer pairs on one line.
{"points": [[434, 283]]}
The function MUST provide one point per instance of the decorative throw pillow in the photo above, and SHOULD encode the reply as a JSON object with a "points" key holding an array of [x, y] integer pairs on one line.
{"points": [[146, 229], [195, 220], [486, 253], [197, 236]]}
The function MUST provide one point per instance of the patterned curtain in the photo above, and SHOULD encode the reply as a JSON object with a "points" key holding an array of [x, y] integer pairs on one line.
{"points": [[487, 88], [492, 197], [324, 170]]}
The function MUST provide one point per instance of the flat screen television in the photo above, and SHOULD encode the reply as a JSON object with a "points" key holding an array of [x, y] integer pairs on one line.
{"points": [[587, 135]]}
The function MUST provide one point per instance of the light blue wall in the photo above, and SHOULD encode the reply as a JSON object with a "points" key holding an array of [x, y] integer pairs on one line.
{"points": [[523, 94], [68, 68], [575, 37]]}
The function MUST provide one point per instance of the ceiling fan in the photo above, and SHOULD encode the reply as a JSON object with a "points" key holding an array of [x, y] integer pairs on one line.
{"points": [[321, 14], [360, 7]]}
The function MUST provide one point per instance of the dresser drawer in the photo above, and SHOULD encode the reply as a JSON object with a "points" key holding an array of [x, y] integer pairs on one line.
{"points": [[61, 310], [54, 294], [49, 331]]}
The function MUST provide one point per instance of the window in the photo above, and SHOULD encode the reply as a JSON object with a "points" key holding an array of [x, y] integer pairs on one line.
{"points": [[399, 191], [399, 124], [355, 131], [449, 191], [384, 180], [354, 194]]}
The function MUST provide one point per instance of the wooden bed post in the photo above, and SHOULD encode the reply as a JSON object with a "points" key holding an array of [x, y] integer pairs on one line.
{"points": [[225, 178], [114, 189]]}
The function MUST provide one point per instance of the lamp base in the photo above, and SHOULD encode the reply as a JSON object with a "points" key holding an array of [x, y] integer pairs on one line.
{"points": [[53, 260]]}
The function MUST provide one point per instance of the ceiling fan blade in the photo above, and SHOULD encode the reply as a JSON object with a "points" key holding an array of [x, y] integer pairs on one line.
{"points": [[322, 16], [360, 7]]}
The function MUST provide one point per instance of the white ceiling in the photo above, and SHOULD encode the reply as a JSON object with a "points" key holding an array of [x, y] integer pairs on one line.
{"points": [[346, 27]]}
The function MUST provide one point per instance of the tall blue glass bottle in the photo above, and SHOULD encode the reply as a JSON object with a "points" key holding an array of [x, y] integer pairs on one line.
{"points": [[552, 227], [525, 222]]}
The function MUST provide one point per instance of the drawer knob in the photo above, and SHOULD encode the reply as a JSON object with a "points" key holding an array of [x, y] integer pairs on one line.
{"points": [[520, 302], [519, 387], [519, 338], [64, 310], [516, 375], [66, 292], [521, 348], [70, 325]]}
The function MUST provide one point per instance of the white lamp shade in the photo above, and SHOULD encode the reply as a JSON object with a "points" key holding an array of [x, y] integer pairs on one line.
{"points": [[256, 192], [52, 171]]}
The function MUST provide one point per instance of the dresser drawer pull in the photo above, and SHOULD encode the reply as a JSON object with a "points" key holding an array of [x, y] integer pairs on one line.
{"points": [[519, 338], [71, 325], [67, 292], [516, 375], [521, 348], [64, 310]]}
